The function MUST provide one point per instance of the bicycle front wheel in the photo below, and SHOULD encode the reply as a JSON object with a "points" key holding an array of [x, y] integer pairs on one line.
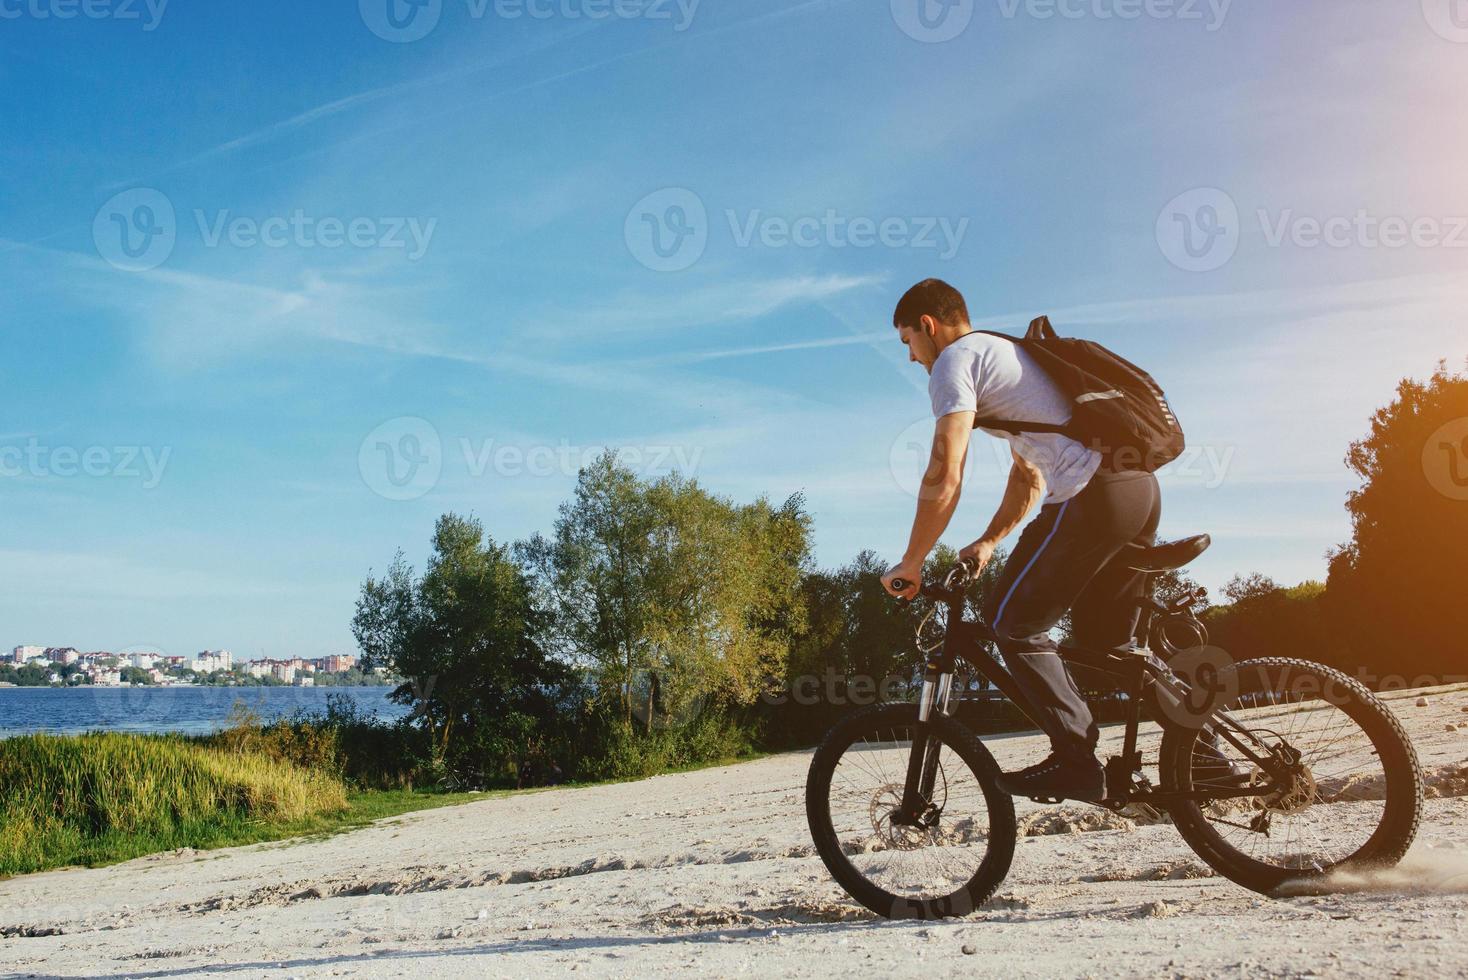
{"points": [[946, 864]]}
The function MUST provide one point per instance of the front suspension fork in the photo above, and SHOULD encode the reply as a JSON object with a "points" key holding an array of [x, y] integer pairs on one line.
{"points": [[922, 763]]}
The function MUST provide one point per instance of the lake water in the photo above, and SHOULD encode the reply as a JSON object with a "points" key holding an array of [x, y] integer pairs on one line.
{"points": [[193, 710]]}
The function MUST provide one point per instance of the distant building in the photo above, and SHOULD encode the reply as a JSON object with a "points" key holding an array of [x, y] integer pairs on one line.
{"points": [[210, 661], [62, 655], [335, 664], [144, 661], [21, 655]]}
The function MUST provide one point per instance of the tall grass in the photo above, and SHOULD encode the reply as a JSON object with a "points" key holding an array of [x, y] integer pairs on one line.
{"points": [[345, 742], [76, 799]]}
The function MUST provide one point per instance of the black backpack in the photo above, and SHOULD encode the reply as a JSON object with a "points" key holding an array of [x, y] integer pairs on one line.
{"points": [[1116, 407]]}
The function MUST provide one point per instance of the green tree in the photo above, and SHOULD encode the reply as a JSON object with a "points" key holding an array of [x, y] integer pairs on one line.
{"points": [[136, 675], [725, 597], [464, 635], [599, 576], [1244, 588], [670, 595], [1264, 619], [1396, 589], [26, 675]]}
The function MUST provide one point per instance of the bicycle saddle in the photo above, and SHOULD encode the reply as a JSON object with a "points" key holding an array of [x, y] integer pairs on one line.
{"points": [[1166, 556]]}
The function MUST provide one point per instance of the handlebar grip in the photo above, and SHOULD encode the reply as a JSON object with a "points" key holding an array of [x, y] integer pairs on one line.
{"points": [[901, 584]]}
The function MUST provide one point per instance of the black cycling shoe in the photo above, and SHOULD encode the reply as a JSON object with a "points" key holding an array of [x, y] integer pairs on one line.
{"points": [[1062, 776]]}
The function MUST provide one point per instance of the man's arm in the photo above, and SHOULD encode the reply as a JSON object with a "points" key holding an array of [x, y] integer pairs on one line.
{"points": [[1023, 492], [937, 498]]}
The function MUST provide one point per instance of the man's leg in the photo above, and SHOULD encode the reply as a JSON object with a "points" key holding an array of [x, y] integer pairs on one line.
{"points": [[1041, 578], [1106, 613], [1058, 557]]}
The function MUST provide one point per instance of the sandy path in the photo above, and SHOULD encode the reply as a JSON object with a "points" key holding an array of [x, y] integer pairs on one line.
{"points": [[713, 871]]}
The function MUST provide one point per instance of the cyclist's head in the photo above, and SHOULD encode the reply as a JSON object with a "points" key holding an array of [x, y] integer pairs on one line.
{"points": [[929, 317]]}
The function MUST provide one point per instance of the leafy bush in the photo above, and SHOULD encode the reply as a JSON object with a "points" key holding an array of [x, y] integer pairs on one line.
{"points": [[614, 749]]}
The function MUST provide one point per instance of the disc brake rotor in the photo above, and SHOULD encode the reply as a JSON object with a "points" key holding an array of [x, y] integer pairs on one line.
{"points": [[1295, 796], [886, 801]]}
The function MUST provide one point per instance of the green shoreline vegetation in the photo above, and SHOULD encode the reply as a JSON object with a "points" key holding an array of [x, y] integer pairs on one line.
{"points": [[105, 797]]}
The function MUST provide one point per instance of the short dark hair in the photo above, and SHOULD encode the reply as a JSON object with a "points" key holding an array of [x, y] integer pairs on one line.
{"points": [[934, 298]]}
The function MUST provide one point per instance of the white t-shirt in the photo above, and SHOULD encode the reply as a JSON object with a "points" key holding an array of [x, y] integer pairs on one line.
{"points": [[994, 377]]}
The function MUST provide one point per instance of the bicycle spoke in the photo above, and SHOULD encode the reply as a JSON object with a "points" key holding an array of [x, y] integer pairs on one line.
{"points": [[1336, 768], [922, 863]]}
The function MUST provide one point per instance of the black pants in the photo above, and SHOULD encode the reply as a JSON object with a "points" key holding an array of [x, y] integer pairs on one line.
{"points": [[1068, 559]]}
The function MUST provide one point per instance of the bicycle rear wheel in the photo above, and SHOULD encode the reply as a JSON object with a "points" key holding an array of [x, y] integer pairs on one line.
{"points": [[949, 866], [1352, 796]]}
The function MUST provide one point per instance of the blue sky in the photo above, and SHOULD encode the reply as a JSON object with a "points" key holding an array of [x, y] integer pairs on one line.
{"points": [[339, 234]]}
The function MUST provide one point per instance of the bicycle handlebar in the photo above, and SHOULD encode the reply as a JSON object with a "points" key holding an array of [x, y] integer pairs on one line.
{"points": [[950, 590]]}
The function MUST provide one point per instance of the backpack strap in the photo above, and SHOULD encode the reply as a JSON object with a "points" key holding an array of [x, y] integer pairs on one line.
{"points": [[1040, 329], [1016, 428]]}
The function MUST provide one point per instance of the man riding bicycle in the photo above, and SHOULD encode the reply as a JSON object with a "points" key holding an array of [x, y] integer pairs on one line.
{"points": [[1069, 558]]}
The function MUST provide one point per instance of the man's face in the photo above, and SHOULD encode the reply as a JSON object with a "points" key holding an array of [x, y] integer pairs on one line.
{"points": [[918, 338]]}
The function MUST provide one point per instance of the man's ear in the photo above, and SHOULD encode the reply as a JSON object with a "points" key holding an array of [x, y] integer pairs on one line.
{"points": [[928, 325]]}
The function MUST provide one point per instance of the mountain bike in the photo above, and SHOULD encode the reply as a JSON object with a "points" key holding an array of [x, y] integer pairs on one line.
{"points": [[1275, 771]]}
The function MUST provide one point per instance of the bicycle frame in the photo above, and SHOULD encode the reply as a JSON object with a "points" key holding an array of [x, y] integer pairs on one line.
{"points": [[1138, 676]]}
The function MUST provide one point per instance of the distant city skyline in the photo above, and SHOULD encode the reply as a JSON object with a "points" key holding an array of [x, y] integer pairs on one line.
{"points": [[109, 668], [34, 650], [267, 316]]}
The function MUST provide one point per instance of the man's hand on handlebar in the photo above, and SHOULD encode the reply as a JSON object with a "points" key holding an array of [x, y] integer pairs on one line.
{"points": [[978, 555], [909, 574]]}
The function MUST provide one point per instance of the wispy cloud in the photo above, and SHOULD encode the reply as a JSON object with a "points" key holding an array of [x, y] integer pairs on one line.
{"points": [[191, 321], [695, 357], [729, 299], [307, 119]]}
